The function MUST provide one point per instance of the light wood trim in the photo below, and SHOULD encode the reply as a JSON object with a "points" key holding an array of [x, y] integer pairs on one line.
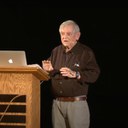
{"points": [[38, 72]]}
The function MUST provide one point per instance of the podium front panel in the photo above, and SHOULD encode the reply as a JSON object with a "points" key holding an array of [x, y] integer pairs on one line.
{"points": [[19, 100]]}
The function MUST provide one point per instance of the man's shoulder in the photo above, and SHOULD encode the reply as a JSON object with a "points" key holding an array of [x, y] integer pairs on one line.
{"points": [[84, 47], [58, 47]]}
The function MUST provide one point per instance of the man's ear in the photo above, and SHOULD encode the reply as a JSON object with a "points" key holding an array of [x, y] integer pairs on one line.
{"points": [[78, 36]]}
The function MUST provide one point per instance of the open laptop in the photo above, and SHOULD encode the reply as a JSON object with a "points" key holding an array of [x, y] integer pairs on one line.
{"points": [[13, 58]]}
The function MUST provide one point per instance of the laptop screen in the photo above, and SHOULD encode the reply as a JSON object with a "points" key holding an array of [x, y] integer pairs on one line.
{"points": [[12, 58]]}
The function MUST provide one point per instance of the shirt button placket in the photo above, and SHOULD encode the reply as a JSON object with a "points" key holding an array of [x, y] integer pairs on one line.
{"points": [[60, 83]]}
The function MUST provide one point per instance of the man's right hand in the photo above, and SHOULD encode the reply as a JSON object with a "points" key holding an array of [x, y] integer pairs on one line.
{"points": [[47, 65]]}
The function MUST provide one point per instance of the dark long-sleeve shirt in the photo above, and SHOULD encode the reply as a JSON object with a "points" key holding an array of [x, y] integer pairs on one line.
{"points": [[80, 58]]}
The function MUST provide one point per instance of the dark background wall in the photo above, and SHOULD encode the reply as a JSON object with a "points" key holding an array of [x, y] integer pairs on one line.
{"points": [[33, 27]]}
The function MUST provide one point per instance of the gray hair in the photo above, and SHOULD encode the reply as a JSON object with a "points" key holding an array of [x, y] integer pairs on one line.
{"points": [[70, 22]]}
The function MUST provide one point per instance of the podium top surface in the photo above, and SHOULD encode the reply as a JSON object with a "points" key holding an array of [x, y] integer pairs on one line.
{"points": [[37, 71]]}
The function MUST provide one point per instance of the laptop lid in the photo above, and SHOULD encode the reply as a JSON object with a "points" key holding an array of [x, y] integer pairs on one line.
{"points": [[12, 58]]}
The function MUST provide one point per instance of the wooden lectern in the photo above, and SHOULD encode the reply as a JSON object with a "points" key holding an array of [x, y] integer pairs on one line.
{"points": [[20, 96]]}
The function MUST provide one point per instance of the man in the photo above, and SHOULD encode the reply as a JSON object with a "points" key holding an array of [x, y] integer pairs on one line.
{"points": [[72, 66]]}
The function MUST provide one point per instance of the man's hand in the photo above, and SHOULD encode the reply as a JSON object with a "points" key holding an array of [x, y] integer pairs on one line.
{"points": [[64, 71], [47, 66]]}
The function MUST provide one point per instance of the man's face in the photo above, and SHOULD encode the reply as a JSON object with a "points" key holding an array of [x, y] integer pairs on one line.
{"points": [[68, 36]]}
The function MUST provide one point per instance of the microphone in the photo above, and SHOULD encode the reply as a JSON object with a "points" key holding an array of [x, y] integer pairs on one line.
{"points": [[77, 65]]}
